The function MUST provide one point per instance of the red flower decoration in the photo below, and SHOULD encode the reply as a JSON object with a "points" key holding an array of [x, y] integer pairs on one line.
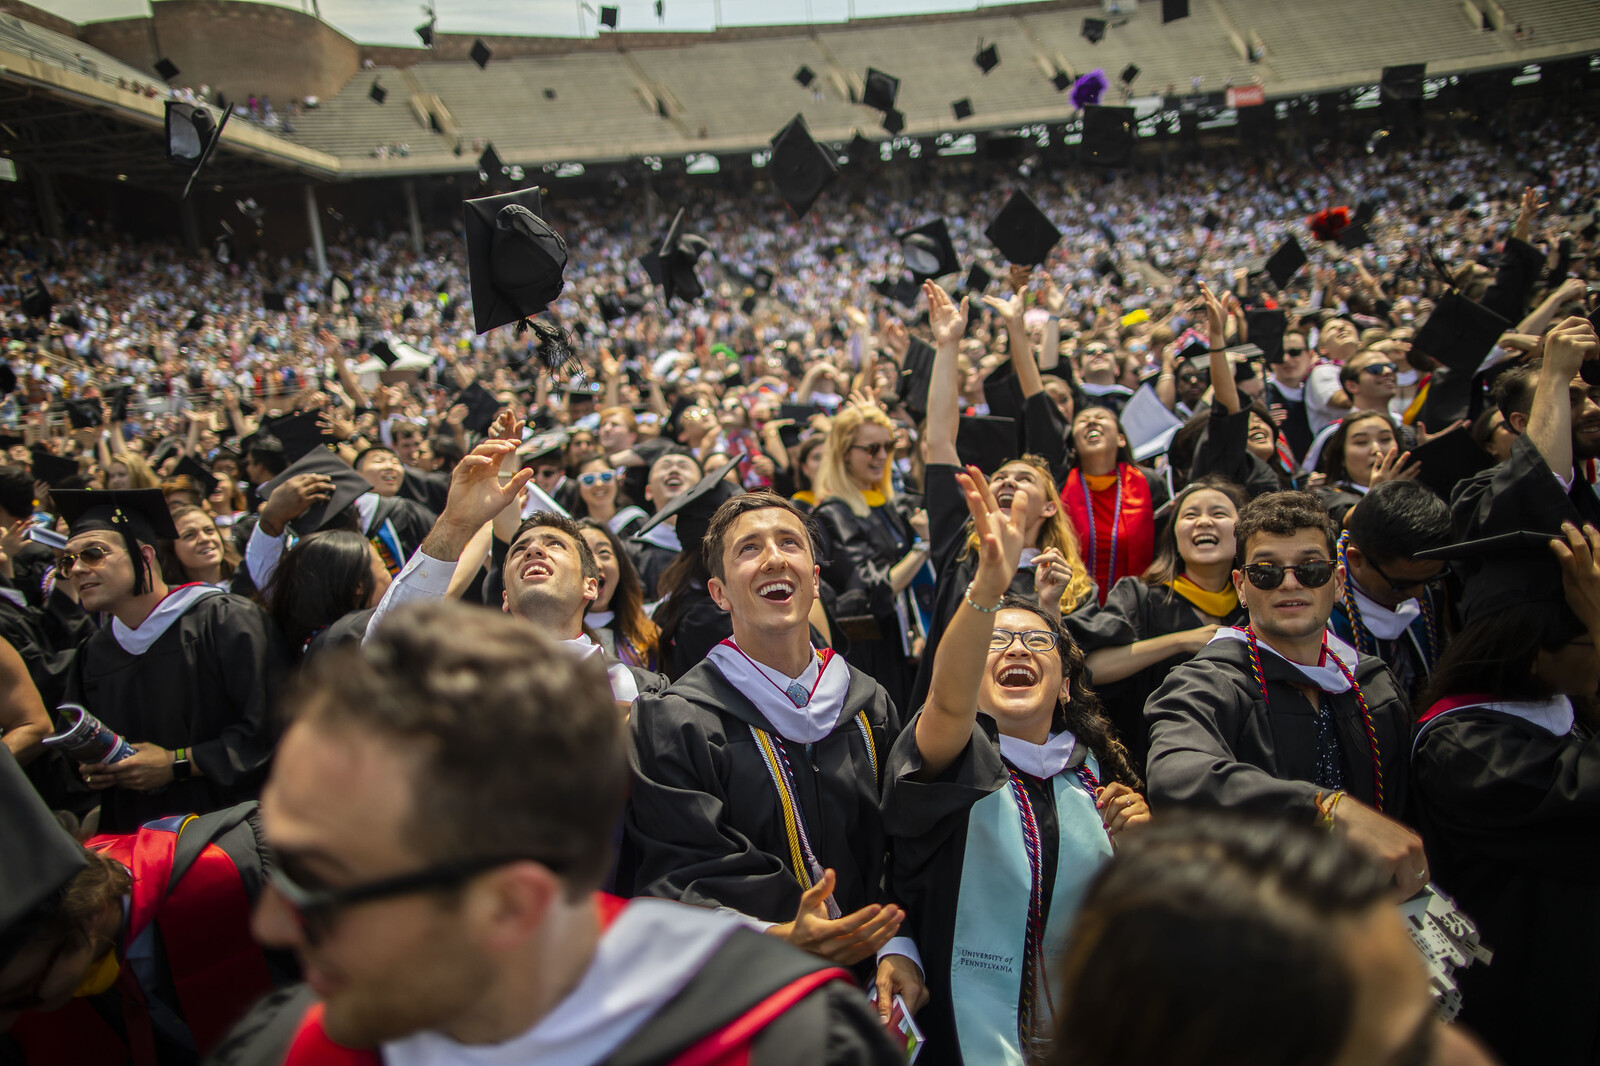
{"points": [[1327, 224]]}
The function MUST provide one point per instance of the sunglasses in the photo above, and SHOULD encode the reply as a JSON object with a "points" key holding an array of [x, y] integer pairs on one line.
{"points": [[1381, 368], [1037, 640], [872, 450], [1294, 351], [94, 556], [316, 910], [604, 477], [1268, 576]]}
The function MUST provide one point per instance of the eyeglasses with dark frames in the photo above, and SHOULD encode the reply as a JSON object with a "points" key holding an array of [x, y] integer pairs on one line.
{"points": [[1035, 640], [1398, 587], [316, 909]]}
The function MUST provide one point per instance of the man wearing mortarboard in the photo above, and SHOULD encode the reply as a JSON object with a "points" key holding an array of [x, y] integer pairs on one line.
{"points": [[185, 674]]}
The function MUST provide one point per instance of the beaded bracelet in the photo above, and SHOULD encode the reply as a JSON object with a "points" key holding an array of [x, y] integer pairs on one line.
{"points": [[981, 610]]}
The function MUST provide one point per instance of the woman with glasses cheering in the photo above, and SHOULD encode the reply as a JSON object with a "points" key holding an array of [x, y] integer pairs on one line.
{"points": [[1002, 798], [1281, 717], [872, 548], [602, 496]]}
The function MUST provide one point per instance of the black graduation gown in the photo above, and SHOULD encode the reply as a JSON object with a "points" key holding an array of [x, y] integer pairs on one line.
{"points": [[28, 570], [928, 823], [651, 560], [701, 625], [1520, 493], [410, 519], [206, 684], [1135, 611], [704, 818], [1337, 499], [1215, 743], [1296, 428], [857, 555], [831, 1026], [1510, 815], [1224, 451], [429, 488], [955, 568]]}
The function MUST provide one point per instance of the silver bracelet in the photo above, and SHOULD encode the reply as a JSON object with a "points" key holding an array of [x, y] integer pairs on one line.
{"points": [[981, 610]]}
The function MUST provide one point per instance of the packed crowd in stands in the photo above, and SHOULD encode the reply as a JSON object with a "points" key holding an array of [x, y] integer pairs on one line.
{"points": [[1045, 645]]}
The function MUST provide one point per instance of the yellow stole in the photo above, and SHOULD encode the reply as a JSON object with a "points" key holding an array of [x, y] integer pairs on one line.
{"points": [[1216, 604]]}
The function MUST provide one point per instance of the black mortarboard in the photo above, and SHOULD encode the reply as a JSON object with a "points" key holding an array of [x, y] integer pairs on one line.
{"points": [[1459, 333], [880, 90], [915, 376], [1108, 133], [1002, 392], [986, 443], [608, 17], [195, 321], [514, 257], [928, 250], [7, 442], [1447, 459], [37, 300], [196, 471], [382, 351], [84, 413], [678, 252], [138, 513], [192, 134], [348, 486], [38, 858], [274, 301], [167, 69], [490, 167], [1061, 80], [424, 33], [1266, 327], [894, 121], [805, 76], [762, 280], [988, 58], [480, 53], [120, 395], [901, 290], [52, 469], [801, 168], [748, 304], [962, 108], [977, 279], [694, 507], [799, 413], [1022, 232], [1507, 570], [298, 433], [1458, 201], [1210, 220], [481, 407], [377, 94], [8, 379], [1286, 262]]}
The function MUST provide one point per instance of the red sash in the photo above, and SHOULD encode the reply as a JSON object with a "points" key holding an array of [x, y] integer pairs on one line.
{"points": [[1135, 542], [204, 923]]}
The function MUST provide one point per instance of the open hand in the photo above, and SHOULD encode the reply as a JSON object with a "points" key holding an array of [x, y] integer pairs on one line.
{"points": [[1395, 465], [476, 494], [1578, 555], [947, 321], [1000, 535], [845, 940]]}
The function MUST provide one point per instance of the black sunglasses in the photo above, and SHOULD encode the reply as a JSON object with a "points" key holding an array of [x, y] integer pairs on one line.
{"points": [[872, 450], [1376, 369], [1311, 575], [316, 909]]}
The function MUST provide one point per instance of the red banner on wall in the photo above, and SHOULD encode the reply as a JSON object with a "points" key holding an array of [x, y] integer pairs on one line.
{"points": [[1246, 96]]}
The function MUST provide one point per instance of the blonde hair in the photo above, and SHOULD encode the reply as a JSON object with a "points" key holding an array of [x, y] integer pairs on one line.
{"points": [[833, 476], [1056, 532], [140, 476]]}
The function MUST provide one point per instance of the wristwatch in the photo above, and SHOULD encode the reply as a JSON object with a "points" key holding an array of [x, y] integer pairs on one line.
{"points": [[182, 768]]}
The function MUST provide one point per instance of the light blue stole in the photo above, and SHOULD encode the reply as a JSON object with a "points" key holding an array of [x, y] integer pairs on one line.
{"points": [[992, 911]]}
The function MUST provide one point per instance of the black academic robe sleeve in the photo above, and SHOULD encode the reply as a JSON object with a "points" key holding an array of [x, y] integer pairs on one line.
{"points": [[1520, 493], [1224, 451], [1214, 742], [859, 554], [1044, 432], [947, 514], [1514, 279], [704, 817]]}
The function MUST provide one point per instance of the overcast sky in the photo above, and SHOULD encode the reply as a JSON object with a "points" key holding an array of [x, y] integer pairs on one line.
{"points": [[392, 21]]}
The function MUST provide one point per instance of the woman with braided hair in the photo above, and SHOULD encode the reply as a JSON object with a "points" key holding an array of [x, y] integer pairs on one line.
{"points": [[1002, 798]]}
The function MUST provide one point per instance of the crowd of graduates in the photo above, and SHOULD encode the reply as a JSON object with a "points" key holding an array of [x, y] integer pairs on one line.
{"points": [[1079, 621]]}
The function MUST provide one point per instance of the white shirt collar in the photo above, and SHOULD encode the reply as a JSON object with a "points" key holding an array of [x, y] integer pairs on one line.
{"points": [[1385, 623], [822, 685], [1043, 761], [1325, 675]]}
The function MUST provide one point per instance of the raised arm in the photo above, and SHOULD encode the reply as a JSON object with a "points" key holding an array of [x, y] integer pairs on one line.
{"points": [[948, 323], [1225, 391], [1550, 421], [945, 725]]}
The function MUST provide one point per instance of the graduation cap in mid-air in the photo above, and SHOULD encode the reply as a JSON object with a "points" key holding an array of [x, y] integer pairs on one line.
{"points": [[119, 396], [37, 299], [38, 859], [299, 433], [514, 258], [193, 133], [384, 352], [84, 414], [1022, 232], [694, 507], [1459, 333], [482, 407], [928, 250], [761, 281], [894, 121], [880, 90], [348, 486], [902, 290], [339, 290], [988, 57], [801, 168], [1447, 459], [1210, 220], [915, 375], [962, 108], [977, 279], [678, 252], [1267, 326], [274, 301], [986, 442], [480, 53], [1283, 264], [1108, 134], [377, 94]]}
